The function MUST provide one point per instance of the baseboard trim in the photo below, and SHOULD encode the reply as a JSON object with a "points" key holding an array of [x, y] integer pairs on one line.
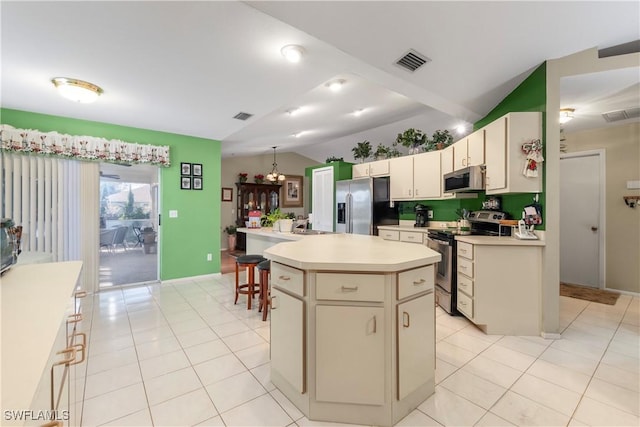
{"points": [[550, 335], [190, 278]]}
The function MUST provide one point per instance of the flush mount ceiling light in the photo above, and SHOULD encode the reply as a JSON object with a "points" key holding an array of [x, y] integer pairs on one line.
{"points": [[274, 175], [77, 90], [336, 85], [292, 52], [566, 114]]}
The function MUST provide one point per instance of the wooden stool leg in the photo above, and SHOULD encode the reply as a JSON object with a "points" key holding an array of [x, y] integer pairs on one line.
{"points": [[237, 284], [250, 285], [265, 295]]}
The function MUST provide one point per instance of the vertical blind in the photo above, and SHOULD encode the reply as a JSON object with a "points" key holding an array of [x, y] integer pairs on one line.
{"points": [[43, 195]]}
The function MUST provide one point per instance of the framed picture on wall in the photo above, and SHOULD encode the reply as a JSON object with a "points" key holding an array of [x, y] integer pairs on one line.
{"points": [[185, 183], [185, 169], [197, 183], [292, 191], [196, 168], [227, 194]]}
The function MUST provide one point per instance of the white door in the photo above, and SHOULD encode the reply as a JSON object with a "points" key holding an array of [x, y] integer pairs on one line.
{"points": [[582, 218], [322, 199]]}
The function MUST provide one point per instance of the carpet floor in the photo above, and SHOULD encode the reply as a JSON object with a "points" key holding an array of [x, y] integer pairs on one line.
{"points": [[588, 294]]}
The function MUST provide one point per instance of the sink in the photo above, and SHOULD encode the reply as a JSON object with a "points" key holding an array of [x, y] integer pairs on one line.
{"points": [[309, 232]]}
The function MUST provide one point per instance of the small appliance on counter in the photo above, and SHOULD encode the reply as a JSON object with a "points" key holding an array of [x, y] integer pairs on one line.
{"points": [[492, 203], [422, 215], [10, 236]]}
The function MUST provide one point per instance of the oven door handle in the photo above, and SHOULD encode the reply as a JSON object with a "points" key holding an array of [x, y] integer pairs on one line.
{"points": [[440, 242]]}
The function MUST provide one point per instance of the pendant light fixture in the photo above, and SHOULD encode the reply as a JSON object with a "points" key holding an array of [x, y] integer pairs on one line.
{"points": [[77, 90], [274, 175]]}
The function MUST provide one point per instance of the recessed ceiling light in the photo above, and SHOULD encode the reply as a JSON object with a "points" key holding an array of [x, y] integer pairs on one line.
{"points": [[299, 134], [358, 112], [293, 111], [336, 85], [292, 52], [77, 90], [461, 129]]}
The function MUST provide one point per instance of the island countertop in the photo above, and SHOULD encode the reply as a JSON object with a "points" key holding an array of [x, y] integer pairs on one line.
{"points": [[351, 252]]}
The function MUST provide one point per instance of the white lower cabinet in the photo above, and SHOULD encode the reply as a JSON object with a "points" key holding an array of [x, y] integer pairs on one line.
{"points": [[416, 334], [350, 354], [499, 287], [287, 338]]}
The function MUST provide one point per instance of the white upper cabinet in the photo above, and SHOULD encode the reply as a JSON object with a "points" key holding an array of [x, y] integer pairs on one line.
{"points": [[377, 168], [506, 161], [401, 182], [427, 177], [469, 151], [446, 165]]}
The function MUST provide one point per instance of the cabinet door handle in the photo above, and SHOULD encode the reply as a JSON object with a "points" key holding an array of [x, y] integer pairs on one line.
{"points": [[80, 294], [416, 192], [464, 162], [74, 318], [406, 319], [463, 267], [375, 324], [69, 356], [273, 300], [462, 303], [409, 192], [464, 251], [349, 288], [418, 282], [284, 277], [82, 347]]}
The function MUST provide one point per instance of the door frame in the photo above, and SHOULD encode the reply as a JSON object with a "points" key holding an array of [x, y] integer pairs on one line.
{"points": [[601, 155]]}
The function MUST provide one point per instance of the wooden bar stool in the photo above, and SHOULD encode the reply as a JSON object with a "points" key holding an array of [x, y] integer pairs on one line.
{"points": [[264, 268], [248, 289]]}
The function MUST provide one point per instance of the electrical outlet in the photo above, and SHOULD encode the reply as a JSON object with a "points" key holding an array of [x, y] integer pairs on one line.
{"points": [[209, 257], [430, 214]]}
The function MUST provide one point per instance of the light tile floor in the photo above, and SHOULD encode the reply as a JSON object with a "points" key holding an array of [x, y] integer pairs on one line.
{"points": [[183, 354]]}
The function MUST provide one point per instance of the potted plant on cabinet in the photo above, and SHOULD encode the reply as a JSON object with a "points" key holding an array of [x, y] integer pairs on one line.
{"points": [[334, 159], [242, 177], [413, 139], [231, 231], [440, 139], [381, 153], [362, 151]]}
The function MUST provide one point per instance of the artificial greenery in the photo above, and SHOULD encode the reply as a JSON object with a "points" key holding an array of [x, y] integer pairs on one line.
{"points": [[440, 139], [230, 229], [267, 220], [334, 159], [411, 138], [362, 151], [382, 152]]}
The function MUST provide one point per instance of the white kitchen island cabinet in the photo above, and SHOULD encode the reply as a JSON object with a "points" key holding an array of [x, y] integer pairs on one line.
{"points": [[357, 316]]}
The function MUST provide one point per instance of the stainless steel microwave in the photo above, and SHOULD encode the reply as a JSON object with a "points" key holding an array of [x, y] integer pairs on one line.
{"points": [[469, 179]]}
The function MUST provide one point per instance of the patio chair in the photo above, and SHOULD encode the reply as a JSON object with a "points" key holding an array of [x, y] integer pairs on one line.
{"points": [[118, 238], [138, 233], [107, 237]]}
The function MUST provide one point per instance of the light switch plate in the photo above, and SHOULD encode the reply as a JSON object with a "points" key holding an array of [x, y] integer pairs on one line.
{"points": [[173, 214], [633, 185]]}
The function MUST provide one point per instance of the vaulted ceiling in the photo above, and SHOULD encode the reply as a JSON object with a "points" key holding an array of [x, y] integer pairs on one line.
{"points": [[190, 67]]}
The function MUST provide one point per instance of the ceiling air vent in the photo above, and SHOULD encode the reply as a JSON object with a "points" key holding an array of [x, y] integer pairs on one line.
{"points": [[412, 60], [629, 113], [242, 116]]}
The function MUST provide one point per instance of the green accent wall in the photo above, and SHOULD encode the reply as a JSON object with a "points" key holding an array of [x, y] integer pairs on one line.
{"points": [[530, 95], [186, 240]]}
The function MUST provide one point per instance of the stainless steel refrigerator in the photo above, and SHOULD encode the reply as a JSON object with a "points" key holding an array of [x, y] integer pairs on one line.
{"points": [[362, 205]]}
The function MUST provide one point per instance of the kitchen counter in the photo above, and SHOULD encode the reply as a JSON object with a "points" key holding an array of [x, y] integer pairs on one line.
{"points": [[351, 252], [353, 327], [269, 233], [35, 300], [499, 241]]}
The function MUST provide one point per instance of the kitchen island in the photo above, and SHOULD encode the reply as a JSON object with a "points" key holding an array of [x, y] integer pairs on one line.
{"points": [[353, 327]]}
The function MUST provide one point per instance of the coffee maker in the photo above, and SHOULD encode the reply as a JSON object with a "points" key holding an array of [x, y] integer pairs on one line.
{"points": [[422, 214]]}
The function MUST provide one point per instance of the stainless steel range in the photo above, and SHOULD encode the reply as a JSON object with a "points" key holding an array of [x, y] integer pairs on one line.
{"points": [[484, 223]]}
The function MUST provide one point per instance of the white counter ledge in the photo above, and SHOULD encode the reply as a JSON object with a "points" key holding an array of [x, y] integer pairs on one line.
{"points": [[351, 252], [35, 300], [499, 241]]}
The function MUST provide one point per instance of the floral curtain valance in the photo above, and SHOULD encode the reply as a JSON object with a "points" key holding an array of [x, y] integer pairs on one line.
{"points": [[29, 141]]}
